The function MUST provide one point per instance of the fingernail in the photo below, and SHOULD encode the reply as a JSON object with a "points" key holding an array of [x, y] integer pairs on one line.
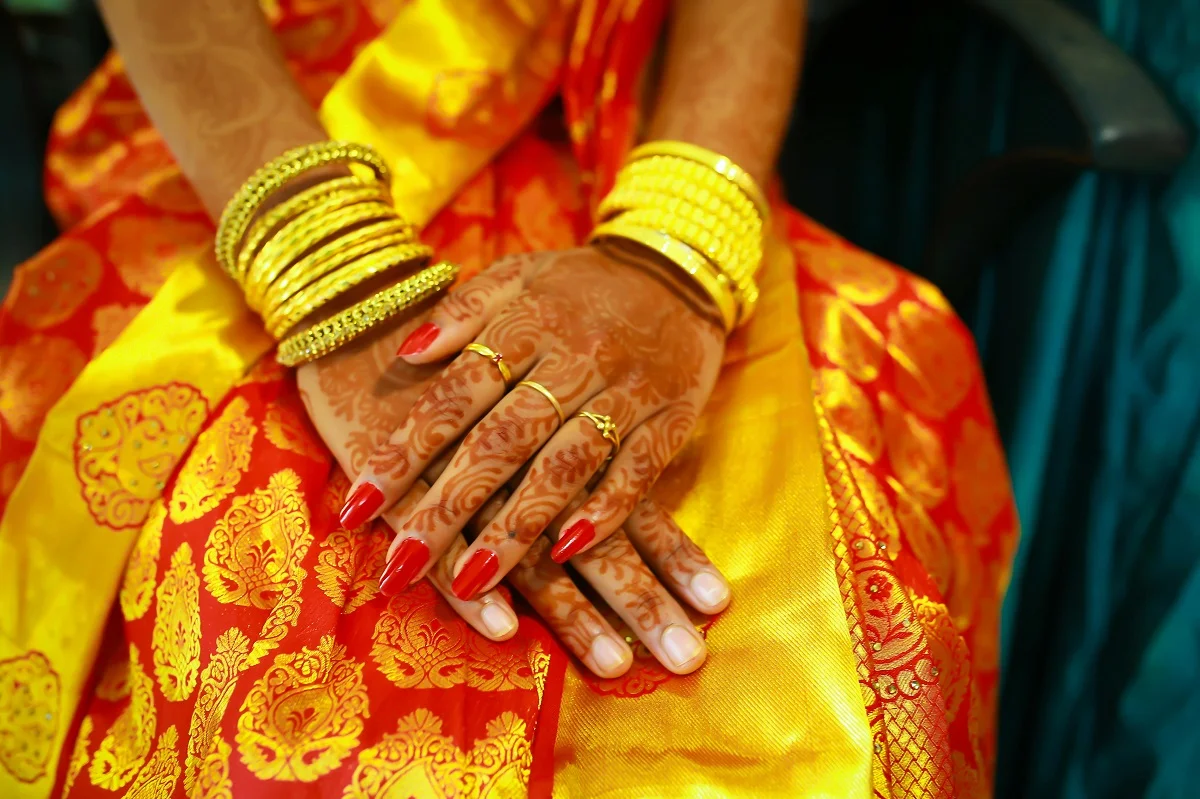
{"points": [[410, 557], [681, 645], [710, 590], [419, 340], [498, 619], [608, 655], [573, 540], [476, 573], [361, 505]]}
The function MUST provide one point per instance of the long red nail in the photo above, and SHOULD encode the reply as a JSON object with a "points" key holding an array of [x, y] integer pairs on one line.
{"points": [[573, 540], [411, 556], [477, 572], [419, 340], [361, 505]]}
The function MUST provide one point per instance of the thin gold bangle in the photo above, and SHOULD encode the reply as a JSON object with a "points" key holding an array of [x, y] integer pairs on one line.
{"points": [[331, 257], [277, 173], [720, 164], [261, 229], [338, 283], [707, 276], [342, 328]]}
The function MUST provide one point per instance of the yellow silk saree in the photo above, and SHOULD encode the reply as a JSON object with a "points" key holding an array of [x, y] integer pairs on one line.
{"points": [[180, 614]]}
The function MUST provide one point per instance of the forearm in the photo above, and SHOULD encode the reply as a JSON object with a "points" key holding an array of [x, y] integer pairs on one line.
{"points": [[730, 76], [213, 80]]}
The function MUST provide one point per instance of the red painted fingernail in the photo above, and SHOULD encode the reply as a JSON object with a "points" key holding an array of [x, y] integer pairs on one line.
{"points": [[411, 556], [573, 540], [419, 340], [361, 505], [477, 572]]}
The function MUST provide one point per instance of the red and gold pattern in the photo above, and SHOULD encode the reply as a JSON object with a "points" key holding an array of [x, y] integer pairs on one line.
{"points": [[252, 649]]}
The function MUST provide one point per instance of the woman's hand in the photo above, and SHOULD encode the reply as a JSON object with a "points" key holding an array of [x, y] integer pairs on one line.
{"points": [[604, 336], [358, 394]]}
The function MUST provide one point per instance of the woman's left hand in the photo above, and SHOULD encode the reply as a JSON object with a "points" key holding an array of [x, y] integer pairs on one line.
{"points": [[622, 358]]}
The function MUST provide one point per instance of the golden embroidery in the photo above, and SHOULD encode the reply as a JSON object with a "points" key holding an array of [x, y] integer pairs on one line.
{"points": [[113, 684], [849, 411], [419, 642], [981, 487], [855, 274], [350, 561], [146, 250], [843, 334], [539, 664], [50, 287], [176, 639], [253, 555], [302, 718], [157, 778], [287, 431], [418, 760], [948, 650], [29, 709], [217, 682], [935, 363], [128, 741], [126, 449], [875, 498], [137, 585], [33, 375], [915, 452], [215, 466], [79, 754], [213, 781]]}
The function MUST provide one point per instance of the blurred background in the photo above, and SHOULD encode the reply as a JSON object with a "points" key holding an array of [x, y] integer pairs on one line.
{"points": [[1034, 158]]}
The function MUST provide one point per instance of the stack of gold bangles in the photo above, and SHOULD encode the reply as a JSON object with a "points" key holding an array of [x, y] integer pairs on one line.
{"points": [[700, 211], [300, 255]]}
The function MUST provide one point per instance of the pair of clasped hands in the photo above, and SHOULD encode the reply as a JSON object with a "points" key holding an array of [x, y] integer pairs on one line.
{"points": [[443, 440]]}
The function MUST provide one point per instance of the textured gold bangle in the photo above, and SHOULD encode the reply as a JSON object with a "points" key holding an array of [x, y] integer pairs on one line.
{"points": [[342, 328], [713, 215], [349, 190], [714, 161], [276, 174], [334, 285], [301, 235], [328, 258], [707, 276], [688, 181]]}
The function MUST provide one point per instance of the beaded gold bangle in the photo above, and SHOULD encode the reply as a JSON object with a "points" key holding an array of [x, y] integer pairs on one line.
{"points": [[714, 161], [301, 235], [330, 257], [342, 328], [332, 192], [715, 214], [277, 173], [708, 277], [335, 284], [687, 181]]}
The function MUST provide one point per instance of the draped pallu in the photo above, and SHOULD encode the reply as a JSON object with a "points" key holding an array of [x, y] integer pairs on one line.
{"points": [[182, 616]]}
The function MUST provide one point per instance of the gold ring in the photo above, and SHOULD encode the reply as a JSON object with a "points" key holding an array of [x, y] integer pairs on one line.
{"points": [[607, 428], [493, 356], [545, 392]]}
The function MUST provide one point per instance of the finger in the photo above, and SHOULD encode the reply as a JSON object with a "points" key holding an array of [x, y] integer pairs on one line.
{"points": [[560, 470], [447, 408], [568, 613], [620, 577], [490, 455], [679, 563], [644, 453], [463, 313]]}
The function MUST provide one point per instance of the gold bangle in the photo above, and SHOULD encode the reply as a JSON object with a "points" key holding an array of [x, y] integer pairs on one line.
{"points": [[331, 257], [493, 356], [545, 392], [340, 188], [714, 215], [341, 328], [739, 263], [338, 283], [714, 161], [269, 178], [707, 276], [685, 180], [298, 237]]}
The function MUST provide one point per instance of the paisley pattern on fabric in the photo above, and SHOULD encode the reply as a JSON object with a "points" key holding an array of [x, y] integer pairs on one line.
{"points": [[29, 709], [137, 585], [176, 637], [157, 778], [126, 745], [215, 464]]}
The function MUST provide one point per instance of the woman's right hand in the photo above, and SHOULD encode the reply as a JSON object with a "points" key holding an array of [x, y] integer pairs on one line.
{"points": [[358, 395]]}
